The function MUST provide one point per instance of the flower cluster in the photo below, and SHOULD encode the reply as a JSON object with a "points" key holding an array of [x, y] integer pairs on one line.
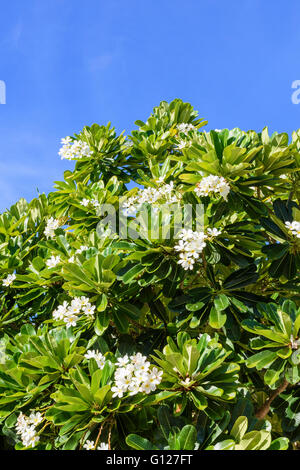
{"points": [[185, 128], [191, 244], [90, 445], [26, 427], [213, 184], [294, 228], [93, 202], [9, 280], [99, 358], [52, 225], [72, 149], [134, 375], [165, 193], [68, 312], [53, 261]]}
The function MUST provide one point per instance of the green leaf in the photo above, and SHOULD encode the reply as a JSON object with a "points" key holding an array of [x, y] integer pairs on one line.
{"points": [[221, 302], [261, 360], [132, 273], [239, 428], [121, 321], [102, 323], [217, 319], [281, 443], [187, 437], [199, 400], [101, 394], [139, 443]]}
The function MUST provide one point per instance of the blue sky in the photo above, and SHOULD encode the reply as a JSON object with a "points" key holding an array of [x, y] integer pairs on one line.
{"points": [[70, 63]]}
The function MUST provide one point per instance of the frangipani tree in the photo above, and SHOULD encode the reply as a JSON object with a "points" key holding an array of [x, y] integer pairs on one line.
{"points": [[151, 301]]}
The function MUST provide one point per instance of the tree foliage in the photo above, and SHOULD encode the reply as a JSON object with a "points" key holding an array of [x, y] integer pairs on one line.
{"points": [[216, 314]]}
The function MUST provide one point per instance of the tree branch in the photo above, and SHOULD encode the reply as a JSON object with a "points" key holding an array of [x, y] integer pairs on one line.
{"points": [[264, 410]]}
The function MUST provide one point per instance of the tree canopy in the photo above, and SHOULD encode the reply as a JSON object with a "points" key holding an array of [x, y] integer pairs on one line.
{"points": [[151, 301]]}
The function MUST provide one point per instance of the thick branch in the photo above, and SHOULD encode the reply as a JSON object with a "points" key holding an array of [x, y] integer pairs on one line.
{"points": [[264, 410]]}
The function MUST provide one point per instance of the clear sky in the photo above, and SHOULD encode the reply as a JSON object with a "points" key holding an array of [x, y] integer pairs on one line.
{"points": [[70, 63]]}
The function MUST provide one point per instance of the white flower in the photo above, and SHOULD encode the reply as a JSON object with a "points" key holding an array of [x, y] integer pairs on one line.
{"points": [[89, 445], [129, 369], [185, 127], [70, 319], [188, 235], [117, 391], [103, 446], [193, 249], [122, 361], [35, 418], [213, 184], [69, 312], [213, 232], [89, 310], [155, 376], [91, 354], [148, 387], [181, 246], [53, 261], [135, 376], [75, 306], [186, 382], [9, 280], [182, 144], [29, 438], [21, 423], [71, 259], [85, 202], [142, 367], [61, 311], [186, 262], [138, 359], [165, 194], [294, 228], [26, 428], [81, 249], [120, 373], [99, 358], [160, 180], [135, 386], [190, 245], [84, 301], [67, 140], [126, 371], [52, 225], [76, 149], [95, 203], [124, 382]]}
